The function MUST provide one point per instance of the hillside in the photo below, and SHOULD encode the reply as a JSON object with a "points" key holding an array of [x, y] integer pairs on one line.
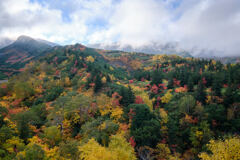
{"points": [[77, 102], [14, 56]]}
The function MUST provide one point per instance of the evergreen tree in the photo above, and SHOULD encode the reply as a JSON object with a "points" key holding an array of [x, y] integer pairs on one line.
{"points": [[229, 96], [98, 83], [170, 83], [200, 94], [131, 95], [108, 79], [127, 96], [217, 85], [23, 126], [156, 77], [190, 84], [3, 114], [145, 127]]}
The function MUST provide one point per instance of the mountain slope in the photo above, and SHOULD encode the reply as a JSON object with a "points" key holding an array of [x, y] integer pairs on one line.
{"points": [[75, 100], [14, 56]]}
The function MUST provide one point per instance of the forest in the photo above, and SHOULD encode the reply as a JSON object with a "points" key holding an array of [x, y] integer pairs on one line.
{"points": [[89, 104]]}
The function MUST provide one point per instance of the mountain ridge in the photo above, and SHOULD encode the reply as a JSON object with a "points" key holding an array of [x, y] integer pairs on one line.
{"points": [[14, 56]]}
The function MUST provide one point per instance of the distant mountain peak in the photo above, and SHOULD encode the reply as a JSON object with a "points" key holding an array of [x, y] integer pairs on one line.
{"points": [[20, 52], [24, 39]]}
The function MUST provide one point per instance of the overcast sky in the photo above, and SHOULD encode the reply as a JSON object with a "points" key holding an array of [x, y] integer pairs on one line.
{"points": [[212, 25]]}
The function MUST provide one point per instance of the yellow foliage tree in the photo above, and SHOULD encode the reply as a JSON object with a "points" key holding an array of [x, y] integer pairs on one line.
{"points": [[121, 148], [14, 142], [118, 149], [167, 97], [157, 57], [136, 64], [90, 59], [144, 95], [105, 105], [104, 80], [228, 149], [67, 82], [163, 152], [164, 120], [116, 113], [51, 153], [148, 68], [93, 151]]}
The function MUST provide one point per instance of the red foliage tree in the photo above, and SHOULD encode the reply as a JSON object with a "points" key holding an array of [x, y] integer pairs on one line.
{"points": [[139, 100], [131, 113], [154, 89], [204, 81], [132, 141]]}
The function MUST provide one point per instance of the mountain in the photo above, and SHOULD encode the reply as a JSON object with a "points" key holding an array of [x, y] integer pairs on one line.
{"points": [[151, 48], [14, 56], [83, 103]]}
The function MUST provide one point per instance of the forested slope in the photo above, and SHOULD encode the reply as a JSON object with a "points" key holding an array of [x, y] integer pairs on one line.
{"points": [[83, 103]]}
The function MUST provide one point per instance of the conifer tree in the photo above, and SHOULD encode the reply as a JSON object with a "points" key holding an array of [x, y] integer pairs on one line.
{"points": [[170, 83], [200, 94], [98, 83], [156, 77], [217, 85], [190, 84]]}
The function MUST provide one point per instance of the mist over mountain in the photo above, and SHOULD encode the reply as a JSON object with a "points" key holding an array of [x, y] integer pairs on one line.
{"points": [[47, 42], [170, 48], [5, 42], [150, 48]]}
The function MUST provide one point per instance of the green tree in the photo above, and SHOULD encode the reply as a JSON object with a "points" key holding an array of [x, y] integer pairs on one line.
{"points": [[200, 135], [35, 152], [52, 135], [187, 104], [128, 96], [23, 125], [99, 129], [69, 149], [3, 114], [190, 84], [170, 83], [200, 93], [229, 96], [23, 90], [98, 83], [157, 77], [39, 113], [145, 128], [217, 85]]}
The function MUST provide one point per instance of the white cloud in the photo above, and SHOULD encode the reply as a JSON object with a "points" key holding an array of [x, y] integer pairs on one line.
{"points": [[137, 22], [210, 24], [202, 24]]}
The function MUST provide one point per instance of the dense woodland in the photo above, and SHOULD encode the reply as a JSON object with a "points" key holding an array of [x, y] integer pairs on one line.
{"points": [[82, 103]]}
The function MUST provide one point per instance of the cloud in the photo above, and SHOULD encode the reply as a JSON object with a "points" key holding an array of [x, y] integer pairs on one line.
{"points": [[197, 25], [209, 24]]}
